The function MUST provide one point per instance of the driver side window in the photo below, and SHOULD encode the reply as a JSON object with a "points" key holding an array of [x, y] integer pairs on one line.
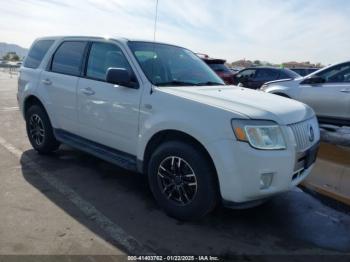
{"points": [[266, 74], [249, 73], [337, 74], [102, 57]]}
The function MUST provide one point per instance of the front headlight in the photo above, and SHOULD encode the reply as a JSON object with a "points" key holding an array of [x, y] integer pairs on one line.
{"points": [[260, 134]]}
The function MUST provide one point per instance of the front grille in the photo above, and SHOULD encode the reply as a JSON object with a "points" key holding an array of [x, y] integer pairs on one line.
{"points": [[301, 133], [298, 174]]}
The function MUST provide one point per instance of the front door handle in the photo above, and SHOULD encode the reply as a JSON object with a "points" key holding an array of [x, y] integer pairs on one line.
{"points": [[88, 91], [46, 82], [345, 90]]}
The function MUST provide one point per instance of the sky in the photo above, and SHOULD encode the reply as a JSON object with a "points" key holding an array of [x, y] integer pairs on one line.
{"points": [[267, 30]]}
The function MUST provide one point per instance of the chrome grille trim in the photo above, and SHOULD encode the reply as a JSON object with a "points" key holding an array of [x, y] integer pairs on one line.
{"points": [[301, 133], [298, 174]]}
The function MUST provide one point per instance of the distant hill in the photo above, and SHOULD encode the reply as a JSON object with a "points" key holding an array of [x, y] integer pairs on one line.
{"points": [[294, 64], [249, 63], [5, 48]]}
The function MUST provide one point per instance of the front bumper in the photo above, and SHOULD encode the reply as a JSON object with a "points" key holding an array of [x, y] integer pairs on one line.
{"points": [[240, 169]]}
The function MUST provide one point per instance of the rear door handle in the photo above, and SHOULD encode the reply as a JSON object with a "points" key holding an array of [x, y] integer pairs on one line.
{"points": [[46, 82], [88, 91]]}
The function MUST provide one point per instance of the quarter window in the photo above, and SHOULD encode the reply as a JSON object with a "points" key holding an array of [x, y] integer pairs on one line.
{"points": [[68, 58], [37, 53], [102, 57]]}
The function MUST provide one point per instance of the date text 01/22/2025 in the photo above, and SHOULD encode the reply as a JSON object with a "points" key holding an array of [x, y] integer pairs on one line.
{"points": [[173, 258]]}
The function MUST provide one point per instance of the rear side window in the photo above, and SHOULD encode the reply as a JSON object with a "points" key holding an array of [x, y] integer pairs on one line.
{"points": [[266, 74], [249, 73], [68, 58], [37, 53]]}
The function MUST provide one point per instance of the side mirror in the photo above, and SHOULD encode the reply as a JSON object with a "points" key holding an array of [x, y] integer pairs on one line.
{"points": [[120, 76], [314, 80]]}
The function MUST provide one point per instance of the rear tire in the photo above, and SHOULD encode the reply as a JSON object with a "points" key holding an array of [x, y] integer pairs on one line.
{"points": [[182, 180], [39, 130]]}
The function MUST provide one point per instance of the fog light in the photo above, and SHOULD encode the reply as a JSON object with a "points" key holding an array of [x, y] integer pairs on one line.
{"points": [[266, 180]]}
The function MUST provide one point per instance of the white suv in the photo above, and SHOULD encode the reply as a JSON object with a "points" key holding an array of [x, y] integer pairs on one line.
{"points": [[159, 110]]}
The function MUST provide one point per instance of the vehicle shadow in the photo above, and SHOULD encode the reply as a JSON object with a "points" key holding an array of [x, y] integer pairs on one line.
{"points": [[290, 223]]}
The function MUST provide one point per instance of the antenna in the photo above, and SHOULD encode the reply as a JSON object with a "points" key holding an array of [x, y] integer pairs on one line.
{"points": [[154, 40], [155, 22]]}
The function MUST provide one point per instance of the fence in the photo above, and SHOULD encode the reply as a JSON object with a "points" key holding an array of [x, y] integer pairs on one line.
{"points": [[12, 70]]}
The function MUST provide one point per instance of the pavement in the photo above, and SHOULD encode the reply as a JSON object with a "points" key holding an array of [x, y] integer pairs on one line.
{"points": [[75, 204]]}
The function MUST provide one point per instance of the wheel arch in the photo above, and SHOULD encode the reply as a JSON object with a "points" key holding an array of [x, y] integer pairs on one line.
{"points": [[170, 135], [32, 100]]}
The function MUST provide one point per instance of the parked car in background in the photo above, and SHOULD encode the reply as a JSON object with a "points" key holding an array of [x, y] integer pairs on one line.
{"points": [[304, 71], [158, 109], [255, 77], [235, 70], [219, 67], [327, 91]]}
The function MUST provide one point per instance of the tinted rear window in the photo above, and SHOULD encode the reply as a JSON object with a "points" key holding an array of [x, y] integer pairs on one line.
{"points": [[37, 53], [68, 58], [219, 68]]}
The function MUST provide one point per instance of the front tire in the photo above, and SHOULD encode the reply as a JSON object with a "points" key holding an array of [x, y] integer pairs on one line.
{"points": [[39, 130], [182, 180]]}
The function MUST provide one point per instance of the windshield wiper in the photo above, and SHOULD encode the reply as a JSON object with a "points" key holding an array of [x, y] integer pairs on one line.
{"points": [[176, 83], [209, 83], [183, 83]]}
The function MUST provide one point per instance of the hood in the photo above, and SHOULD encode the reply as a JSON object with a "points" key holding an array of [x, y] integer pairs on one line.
{"points": [[250, 103], [288, 82]]}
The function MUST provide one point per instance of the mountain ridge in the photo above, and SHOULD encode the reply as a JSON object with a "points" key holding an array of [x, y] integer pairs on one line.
{"points": [[7, 47]]}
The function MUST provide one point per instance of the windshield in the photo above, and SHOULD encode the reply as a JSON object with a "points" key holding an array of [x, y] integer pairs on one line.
{"points": [[166, 65], [336, 74], [291, 73]]}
